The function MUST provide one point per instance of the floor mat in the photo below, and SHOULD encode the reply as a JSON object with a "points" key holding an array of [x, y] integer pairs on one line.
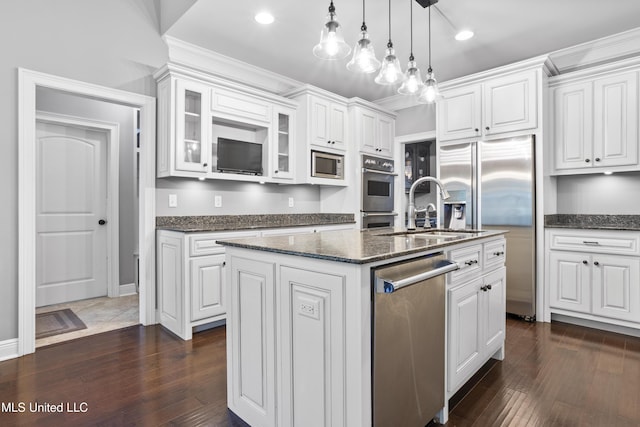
{"points": [[57, 322]]}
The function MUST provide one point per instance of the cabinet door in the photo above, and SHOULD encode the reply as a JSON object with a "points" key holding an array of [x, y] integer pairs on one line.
{"points": [[616, 120], [510, 103], [386, 134], [171, 286], [494, 310], [367, 130], [465, 340], [313, 353], [282, 148], [251, 343], [459, 113], [338, 126], [573, 109], [207, 287], [192, 127], [616, 290], [231, 105], [320, 117], [570, 278]]}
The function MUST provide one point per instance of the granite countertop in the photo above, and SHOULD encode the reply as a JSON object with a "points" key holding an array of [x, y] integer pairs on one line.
{"points": [[357, 247], [594, 222], [201, 223]]}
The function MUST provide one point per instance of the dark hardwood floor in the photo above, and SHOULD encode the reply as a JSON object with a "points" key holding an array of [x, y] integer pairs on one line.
{"points": [[554, 375]]}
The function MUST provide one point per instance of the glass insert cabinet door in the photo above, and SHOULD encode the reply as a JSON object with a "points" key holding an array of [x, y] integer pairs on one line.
{"points": [[282, 158], [191, 127]]}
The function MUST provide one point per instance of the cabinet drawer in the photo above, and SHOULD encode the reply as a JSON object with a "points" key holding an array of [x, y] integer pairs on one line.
{"points": [[235, 105], [205, 244], [606, 242], [470, 260], [494, 254]]}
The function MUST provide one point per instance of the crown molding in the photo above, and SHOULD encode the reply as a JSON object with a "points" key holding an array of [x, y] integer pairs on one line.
{"points": [[196, 57], [599, 51], [399, 102], [359, 102]]}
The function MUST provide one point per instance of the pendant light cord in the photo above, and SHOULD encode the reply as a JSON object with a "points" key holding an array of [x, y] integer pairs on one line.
{"points": [[411, 57], [429, 70], [364, 26], [390, 44]]}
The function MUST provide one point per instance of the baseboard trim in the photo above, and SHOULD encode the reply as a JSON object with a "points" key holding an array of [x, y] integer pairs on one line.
{"points": [[9, 349], [618, 329], [128, 289]]}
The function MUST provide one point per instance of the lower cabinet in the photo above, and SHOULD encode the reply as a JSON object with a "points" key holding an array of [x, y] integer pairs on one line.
{"points": [[595, 275], [476, 325], [207, 287], [308, 310]]}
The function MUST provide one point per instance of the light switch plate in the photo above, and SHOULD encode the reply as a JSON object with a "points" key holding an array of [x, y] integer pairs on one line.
{"points": [[173, 200], [291, 202], [217, 201]]}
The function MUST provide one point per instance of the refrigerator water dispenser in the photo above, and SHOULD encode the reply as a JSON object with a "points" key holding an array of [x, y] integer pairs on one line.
{"points": [[454, 215]]}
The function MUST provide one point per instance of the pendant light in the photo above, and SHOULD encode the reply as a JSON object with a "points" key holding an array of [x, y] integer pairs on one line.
{"points": [[390, 73], [429, 92], [412, 79], [332, 44], [364, 58]]}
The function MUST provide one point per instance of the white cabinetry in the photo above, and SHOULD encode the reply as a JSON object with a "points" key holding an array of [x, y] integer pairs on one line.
{"points": [[595, 275], [194, 111], [596, 123], [373, 128], [476, 298], [322, 125], [494, 106]]}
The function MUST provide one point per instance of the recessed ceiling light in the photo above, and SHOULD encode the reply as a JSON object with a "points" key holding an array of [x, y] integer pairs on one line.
{"points": [[464, 35], [264, 18]]}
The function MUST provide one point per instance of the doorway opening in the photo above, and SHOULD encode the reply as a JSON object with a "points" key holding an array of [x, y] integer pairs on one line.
{"points": [[72, 117]]}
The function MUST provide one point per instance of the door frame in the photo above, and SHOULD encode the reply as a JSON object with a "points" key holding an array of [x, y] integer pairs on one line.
{"points": [[28, 81], [113, 204]]}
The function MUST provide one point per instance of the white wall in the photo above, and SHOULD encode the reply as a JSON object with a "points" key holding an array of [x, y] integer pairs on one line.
{"points": [[421, 118], [617, 194], [238, 198], [62, 103], [113, 43]]}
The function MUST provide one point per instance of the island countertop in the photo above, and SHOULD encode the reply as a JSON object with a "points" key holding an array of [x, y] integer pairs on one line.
{"points": [[360, 247]]}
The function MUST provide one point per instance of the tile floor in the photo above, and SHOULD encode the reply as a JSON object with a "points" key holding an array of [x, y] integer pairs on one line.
{"points": [[99, 314]]}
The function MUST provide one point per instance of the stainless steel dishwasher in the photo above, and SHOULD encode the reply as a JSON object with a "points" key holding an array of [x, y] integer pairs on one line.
{"points": [[408, 341]]}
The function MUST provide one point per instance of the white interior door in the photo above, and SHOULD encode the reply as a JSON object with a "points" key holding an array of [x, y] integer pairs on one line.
{"points": [[71, 204]]}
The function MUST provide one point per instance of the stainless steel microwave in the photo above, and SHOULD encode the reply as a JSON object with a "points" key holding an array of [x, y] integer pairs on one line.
{"points": [[327, 165]]}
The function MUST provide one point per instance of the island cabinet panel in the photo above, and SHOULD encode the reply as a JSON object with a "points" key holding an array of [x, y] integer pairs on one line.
{"points": [[312, 339], [169, 272], [494, 290], [251, 342]]}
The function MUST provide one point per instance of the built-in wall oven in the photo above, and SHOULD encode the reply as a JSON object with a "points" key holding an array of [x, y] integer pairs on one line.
{"points": [[378, 181]]}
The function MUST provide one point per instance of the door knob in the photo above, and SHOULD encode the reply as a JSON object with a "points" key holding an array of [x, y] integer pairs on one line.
{"points": [[102, 222]]}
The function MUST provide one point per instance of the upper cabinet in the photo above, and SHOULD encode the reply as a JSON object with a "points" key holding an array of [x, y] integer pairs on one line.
{"points": [[489, 107], [209, 128], [373, 128], [322, 127], [596, 123]]}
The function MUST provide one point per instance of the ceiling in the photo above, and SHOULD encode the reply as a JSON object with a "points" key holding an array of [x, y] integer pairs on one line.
{"points": [[506, 31]]}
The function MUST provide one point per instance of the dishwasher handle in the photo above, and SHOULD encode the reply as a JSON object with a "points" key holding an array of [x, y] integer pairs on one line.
{"points": [[384, 286]]}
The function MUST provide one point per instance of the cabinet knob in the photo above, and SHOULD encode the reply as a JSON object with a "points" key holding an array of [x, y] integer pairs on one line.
{"points": [[102, 222], [483, 288], [275, 171], [477, 129], [487, 128], [585, 262], [224, 263], [597, 159], [596, 263], [489, 287], [204, 165], [587, 160]]}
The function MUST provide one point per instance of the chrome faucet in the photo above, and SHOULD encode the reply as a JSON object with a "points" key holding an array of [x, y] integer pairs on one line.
{"points": [[412, 206]]}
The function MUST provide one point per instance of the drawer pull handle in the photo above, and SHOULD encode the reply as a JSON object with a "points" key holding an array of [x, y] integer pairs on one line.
{"points": [[485, 288], [498, 253], [471, 262], [592, 243]]}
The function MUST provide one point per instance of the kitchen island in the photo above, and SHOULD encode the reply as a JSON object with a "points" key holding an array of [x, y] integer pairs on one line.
{"points": [[299, 322]]}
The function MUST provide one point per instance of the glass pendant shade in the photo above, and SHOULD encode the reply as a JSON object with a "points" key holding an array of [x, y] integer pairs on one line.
{"points": [[429, 92], [364, 58], [332, 44], [390, 73], [412, 80]]}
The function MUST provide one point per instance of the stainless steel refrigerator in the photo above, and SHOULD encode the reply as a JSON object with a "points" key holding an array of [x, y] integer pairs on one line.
{"points": [[496, 179]]}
